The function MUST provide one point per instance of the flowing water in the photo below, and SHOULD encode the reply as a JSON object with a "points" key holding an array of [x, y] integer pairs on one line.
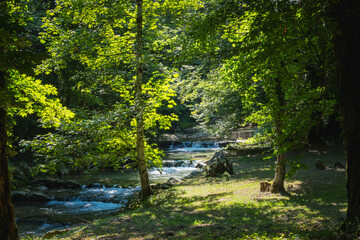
{"points": [[106, 192]]}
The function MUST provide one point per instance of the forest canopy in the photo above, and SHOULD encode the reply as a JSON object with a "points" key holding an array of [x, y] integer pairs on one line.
{"points": [[99, 82]]}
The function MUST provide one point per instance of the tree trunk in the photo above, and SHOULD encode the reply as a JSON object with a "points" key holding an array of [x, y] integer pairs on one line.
{"points": [[347, 48], [146, 190], [279, 179], [8, 228]]}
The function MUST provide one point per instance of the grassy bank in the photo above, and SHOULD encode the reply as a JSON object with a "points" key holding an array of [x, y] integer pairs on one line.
{"points": [[233, 208]]}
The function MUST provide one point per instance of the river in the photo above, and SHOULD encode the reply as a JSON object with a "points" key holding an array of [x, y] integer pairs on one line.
{"points": [[106, 192]]}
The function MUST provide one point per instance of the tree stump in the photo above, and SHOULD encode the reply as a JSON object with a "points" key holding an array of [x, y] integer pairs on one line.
{"points": [[320, 165], [265, 186]]}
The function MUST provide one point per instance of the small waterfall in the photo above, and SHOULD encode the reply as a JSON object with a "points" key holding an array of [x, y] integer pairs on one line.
{"points": [[194, 146]]}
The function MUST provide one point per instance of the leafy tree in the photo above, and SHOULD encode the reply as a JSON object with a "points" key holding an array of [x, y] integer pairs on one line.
{"points": [[102, 37], [215, 102], [146, 190], [89, 145], [276, 46], [21, 95]]}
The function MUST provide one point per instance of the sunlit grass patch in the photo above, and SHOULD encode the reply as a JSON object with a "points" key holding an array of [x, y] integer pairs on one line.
{"points": [[234, 208]]}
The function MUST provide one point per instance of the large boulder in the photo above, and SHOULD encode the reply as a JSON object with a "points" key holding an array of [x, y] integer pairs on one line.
{"points": [[199, 165], [40, 189], [95, 185], [193, 174], [24, 197], [168, 184], [57, 184], [218, 164], [162, 186], [172, 181]]}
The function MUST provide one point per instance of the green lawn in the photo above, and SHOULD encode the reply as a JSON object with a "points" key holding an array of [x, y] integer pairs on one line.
{"points": [[219, 208]]}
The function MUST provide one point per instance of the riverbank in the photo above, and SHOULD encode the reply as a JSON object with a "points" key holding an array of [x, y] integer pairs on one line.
{"points": [[232, 207]]}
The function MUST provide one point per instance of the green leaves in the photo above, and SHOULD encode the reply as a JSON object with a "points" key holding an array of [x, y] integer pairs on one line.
{"points": [[29, 96], [93, 43], [274, 54], [102, 141], [24, 95], [214, 100]]}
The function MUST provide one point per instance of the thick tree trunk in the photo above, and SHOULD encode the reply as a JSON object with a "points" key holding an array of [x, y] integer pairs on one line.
{"points": [[279, 179], [8, 228], [347, 46], [140, 146]]}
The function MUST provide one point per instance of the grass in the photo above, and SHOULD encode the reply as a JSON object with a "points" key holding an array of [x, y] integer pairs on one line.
{"points": [[233, 208]]}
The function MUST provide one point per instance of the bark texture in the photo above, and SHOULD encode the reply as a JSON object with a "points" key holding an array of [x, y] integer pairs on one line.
{"points": [[8, 228], [347, 48], [140, 145], [279, 179]]}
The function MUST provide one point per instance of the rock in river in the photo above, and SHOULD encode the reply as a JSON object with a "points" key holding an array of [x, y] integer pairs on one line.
{"points": [[57, 184], [24, 196]]}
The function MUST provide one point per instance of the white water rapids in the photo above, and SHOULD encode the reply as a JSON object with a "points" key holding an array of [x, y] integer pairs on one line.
{"points": [[72, 206]]}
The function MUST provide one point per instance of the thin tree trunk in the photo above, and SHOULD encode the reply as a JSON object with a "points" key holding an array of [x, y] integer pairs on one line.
{"points": [[8, 228], [279, 179], [347, 46], [280, 171], [140, 147]]}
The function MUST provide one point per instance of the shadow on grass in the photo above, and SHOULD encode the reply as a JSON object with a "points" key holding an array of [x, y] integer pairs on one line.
{"points": [[171, 216], [313, 208]]}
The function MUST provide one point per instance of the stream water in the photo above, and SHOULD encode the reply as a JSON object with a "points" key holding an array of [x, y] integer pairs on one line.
{"points": [[106, 192]]}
